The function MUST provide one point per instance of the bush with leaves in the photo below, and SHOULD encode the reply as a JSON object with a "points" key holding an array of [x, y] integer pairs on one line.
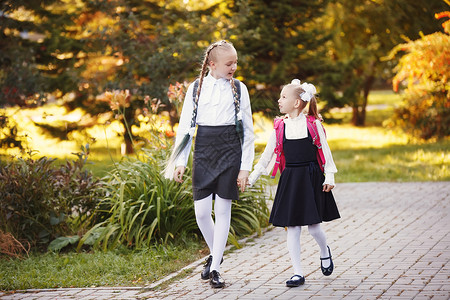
{"points": [[425, 112], [142, 207], [40, 201]]}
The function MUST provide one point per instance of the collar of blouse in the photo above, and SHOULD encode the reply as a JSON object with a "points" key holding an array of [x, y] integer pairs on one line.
{"points": [[300, 117], [209, 81]]}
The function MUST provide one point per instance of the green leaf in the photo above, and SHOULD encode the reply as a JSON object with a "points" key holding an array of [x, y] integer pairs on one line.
{"points": [[61, 242]]}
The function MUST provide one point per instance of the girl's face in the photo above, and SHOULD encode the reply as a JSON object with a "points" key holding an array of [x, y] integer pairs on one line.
{"points": [[225, 64], [289, 102]]}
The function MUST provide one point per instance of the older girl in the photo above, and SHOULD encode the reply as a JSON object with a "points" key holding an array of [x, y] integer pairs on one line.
{"points": [[224, 148]]}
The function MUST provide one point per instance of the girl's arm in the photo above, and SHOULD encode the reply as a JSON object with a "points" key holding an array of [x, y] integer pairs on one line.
{"points": [[264, 160], [248, 147], [184, 126], [330, 167]]}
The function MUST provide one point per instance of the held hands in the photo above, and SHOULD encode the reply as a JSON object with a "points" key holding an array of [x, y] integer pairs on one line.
{"points": [[242, 180], [327, 187], [178, 174]]}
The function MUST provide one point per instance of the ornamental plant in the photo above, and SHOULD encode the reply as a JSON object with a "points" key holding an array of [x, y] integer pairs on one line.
{"points": [[41, 201], [142, 208], [424, 72]]}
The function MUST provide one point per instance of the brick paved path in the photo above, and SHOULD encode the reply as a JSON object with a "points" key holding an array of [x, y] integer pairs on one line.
{"points": [[393, 241]]}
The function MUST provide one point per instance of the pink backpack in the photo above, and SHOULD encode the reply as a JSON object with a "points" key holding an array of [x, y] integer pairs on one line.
{"points": [[280, 161]]}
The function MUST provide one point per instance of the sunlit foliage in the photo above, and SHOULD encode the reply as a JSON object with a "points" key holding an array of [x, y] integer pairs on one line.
{"points": [[424, 68]]}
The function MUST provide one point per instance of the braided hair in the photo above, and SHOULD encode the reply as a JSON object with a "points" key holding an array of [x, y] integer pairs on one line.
{"points": [[210, 55]]}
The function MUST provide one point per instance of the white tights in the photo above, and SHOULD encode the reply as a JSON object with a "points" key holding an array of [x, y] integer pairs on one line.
{"points": [[215, 235], [293, 244]]}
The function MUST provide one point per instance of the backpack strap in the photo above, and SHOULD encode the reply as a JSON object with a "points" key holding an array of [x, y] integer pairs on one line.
{"points": [[278, 125], [237, 83], [312, 128], [237, 109]]}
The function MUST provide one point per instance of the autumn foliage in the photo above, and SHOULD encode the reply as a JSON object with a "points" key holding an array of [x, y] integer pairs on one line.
{"points": [[424, 72]]}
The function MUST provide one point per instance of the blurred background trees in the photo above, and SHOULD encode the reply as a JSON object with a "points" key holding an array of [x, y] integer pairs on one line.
{"points": [[362, 33], [71, 52], [123, 66]]}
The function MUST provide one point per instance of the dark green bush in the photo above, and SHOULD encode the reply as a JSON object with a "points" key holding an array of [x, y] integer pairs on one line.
{"points": [[141, 207], [40, 201]]}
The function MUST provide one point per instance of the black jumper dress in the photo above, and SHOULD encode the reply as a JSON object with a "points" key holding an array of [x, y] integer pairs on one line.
{"points": [[299, 199], [217, 161]]}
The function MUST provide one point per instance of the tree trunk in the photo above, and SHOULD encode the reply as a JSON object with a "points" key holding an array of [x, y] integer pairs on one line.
{"points": [[359, 111], [359, 115]]}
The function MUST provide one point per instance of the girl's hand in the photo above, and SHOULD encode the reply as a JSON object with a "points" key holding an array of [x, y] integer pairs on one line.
{"points": [[178, 174], [327, 187], [242, 179]]}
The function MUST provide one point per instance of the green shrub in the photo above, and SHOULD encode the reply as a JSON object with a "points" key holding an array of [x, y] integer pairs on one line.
{"points": [[40, 201], [141, 207], [424, 70]]}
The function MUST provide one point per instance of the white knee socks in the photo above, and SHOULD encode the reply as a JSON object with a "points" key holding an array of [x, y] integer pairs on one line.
{"points": [[215, 235], [203, 209], [293, 243], [222, 213], [318, 234]]}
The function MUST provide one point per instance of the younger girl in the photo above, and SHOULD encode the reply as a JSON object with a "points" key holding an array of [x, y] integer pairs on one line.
{"points": [[224, 148], [303, 195]]}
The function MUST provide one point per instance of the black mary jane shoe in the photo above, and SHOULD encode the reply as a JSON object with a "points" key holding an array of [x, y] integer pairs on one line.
{"points": [[215, 280], [295, 281], [328, 270], [207, 267]]}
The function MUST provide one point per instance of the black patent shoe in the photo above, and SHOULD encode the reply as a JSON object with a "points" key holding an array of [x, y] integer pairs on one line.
{"points": [[295, 281], [207, 266], [215, 280], [328, 270]]}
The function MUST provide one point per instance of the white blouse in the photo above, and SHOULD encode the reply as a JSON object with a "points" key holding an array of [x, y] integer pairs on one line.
{"points": [[216, 108], [295, 128]]}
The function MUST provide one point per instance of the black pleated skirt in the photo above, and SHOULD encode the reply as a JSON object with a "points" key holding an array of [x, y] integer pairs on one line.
{"points": [[217, 161], [300, 199]]}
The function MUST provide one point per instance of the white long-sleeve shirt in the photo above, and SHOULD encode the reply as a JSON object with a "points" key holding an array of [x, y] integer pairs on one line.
{"points": [[295, 128], [216, 108]]}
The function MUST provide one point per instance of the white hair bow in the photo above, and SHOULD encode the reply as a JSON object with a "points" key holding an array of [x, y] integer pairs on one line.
{"points": [[295, 81], [309, 91]]}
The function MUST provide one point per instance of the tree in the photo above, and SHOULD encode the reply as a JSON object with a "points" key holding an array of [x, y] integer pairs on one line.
{"points": [[150, 44], [425, 67], [40, 51], [83, 49], [277, 41], [364, 31]]}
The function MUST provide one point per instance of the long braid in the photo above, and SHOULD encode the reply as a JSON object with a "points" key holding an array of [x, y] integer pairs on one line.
{"points": [[197, 96], [205, 63], [235, 96]]}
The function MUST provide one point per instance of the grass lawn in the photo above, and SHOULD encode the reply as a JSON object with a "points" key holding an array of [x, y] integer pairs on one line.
{"points": [[381, 155], [93, 269]]}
